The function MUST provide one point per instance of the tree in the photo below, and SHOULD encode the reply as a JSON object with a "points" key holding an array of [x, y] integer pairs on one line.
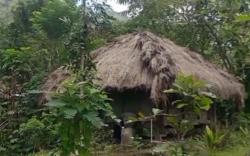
{"points": [[55, 18], [5, 8], [30, 47], [208, 26], [77, 114]]}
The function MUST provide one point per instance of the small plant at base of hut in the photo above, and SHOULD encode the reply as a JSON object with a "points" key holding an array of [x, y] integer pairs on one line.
{"points": [[212, 140], [245, 135], [243, 120], [171, 149], [77, 108], [182, 127]]}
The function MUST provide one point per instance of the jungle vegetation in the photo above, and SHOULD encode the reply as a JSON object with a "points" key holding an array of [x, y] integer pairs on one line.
{"points": [[39, 36]]}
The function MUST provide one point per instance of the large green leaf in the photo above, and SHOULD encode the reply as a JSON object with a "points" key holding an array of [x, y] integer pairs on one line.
{"points": [[204, 102], [56, 103], [171, 91], [69, 113], [242, 18], [181, 105], [94, 90], [93, 118], [156, 111], [208, 94]]}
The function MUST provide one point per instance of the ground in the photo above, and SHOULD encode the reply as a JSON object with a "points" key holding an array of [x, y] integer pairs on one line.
{"points": [[117, 150]]}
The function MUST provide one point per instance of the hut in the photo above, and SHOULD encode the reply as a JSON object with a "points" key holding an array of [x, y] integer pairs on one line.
{"points": [[135, 69], [143, 64]]}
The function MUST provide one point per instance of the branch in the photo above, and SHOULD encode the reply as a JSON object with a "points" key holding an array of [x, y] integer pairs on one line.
{"points": [[225, 59]]}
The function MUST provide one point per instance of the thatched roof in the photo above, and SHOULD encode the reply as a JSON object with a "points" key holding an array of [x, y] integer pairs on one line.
{"points": [[146, 61], [54, 82]]}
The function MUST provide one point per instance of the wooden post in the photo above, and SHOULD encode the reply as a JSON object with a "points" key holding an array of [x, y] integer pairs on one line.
{"points": [[215, 117], [126, 136]]}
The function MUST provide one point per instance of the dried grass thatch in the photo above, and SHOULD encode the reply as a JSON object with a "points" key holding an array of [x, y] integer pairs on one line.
{"points": [[145, 61], [54, 82]]}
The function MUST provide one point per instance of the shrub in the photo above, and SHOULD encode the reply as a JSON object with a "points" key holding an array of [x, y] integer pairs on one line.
{"points": [[212, 140], [77, 109]]}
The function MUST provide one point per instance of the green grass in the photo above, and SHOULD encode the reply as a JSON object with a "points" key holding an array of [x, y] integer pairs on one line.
{"points": [[234, 151]]}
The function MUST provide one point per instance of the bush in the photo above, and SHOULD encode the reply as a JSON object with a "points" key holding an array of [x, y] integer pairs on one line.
{"points": [[77, 110]]}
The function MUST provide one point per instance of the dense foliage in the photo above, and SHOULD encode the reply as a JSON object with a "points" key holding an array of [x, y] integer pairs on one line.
{"points": [[38, 36], [77, 111], [193, 93], [43, 35]]}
